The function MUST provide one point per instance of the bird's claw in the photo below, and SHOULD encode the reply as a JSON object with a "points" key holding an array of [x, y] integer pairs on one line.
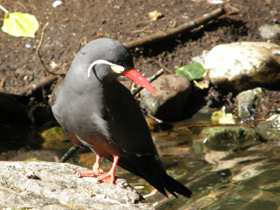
{"points": [[97, 170], [107, 178], [89, 173]]}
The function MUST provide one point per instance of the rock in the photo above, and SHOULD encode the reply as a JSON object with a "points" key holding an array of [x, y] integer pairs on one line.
{"points": [[49, 185], [172, 95], [246, 100], [268, 31], [200, 58], [225, 138], [270, 129], [55, 139], [244, 65]]}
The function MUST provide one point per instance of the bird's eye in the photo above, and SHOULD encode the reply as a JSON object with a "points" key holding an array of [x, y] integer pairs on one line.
{"points": [[117, 68]]}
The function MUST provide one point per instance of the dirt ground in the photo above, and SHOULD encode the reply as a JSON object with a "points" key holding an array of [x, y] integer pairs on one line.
{"points": [[77, 22]]}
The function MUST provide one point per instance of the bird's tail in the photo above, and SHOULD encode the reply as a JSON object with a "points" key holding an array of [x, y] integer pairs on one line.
{"points": [[153, 172], [174, 187]]}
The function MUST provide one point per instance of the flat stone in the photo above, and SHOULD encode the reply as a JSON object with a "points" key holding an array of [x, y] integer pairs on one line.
{"points": [[50, 185]]}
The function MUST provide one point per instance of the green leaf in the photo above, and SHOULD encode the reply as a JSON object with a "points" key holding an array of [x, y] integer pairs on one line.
{"points": [[191, 71], [220, 117], [20, 24]]}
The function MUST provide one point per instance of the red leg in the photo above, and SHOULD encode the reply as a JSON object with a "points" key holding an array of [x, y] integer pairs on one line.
{"points": [[109, 177], [95, 169]]}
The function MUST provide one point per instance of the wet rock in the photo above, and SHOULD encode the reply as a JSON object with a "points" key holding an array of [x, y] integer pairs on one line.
{"points": [[268, 31], [55, 139], [244, 65], [225, 138], [45, 185], [172, 95], [270, 129], [246, 100]]}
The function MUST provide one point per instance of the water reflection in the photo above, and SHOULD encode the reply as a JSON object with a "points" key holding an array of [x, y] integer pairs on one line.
{"points": [[243, 178]]}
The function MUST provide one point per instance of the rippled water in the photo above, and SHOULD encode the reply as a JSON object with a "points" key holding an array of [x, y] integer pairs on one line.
{"points": [[243, 178]]}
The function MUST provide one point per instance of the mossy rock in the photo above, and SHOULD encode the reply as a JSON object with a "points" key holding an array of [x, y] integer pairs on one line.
{"points": [[225, 138], [55, 139]]}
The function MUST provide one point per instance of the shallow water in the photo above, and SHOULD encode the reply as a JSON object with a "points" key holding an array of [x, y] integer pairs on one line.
{"points": [[243, 178]]}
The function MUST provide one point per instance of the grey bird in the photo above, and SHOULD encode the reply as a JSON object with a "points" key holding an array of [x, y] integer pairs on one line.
{"points": [[98, 112]]}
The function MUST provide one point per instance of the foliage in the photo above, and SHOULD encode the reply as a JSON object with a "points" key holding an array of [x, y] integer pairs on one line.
{"points": [[19, 24], [191, 71]]}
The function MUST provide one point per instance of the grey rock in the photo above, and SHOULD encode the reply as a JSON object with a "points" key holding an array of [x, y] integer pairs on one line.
{"points": [[172, 94], [270, 129], [225, 138], [244, 65], [246, 100], [271, 32], [49, 185]]}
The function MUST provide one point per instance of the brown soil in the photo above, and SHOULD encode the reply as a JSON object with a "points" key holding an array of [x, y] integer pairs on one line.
{"points": [[77, 22]]}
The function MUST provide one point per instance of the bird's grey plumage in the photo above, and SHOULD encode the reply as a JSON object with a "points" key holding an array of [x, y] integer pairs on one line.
{"points": [[99, 105], [100, 113]]}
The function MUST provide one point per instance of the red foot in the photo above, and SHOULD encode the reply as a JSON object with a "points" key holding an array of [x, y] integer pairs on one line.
{"points": [[96, 171], [89, 173], [107, 177]]}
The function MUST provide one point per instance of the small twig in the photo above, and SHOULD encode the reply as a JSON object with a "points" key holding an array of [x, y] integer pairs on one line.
{"points": [[3, 9], [141, 31], [165, 69], [178, 30], [135, 91], [3, 81], [159, 121], [67, 155], [31, 88], [38, 52], [42, 37]]}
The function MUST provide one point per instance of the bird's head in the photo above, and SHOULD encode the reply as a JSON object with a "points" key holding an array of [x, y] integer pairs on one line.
{"points": [[109, 59]]}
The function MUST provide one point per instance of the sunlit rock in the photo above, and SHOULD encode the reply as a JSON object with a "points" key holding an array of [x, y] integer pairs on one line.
{"points": [[246, 101], [243, 65], [43, 185], [270, 129], [270, 32]]}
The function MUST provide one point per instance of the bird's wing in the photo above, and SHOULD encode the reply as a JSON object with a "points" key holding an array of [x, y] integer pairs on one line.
{"points": [[127, 125]]}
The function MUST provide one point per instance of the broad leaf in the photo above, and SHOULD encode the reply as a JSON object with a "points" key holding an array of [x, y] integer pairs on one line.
{"points": [[20, 24], [191, 71], [220, 117]]}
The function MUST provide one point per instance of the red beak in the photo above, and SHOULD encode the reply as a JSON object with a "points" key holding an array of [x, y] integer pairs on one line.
{"points": [[135, 76]]}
